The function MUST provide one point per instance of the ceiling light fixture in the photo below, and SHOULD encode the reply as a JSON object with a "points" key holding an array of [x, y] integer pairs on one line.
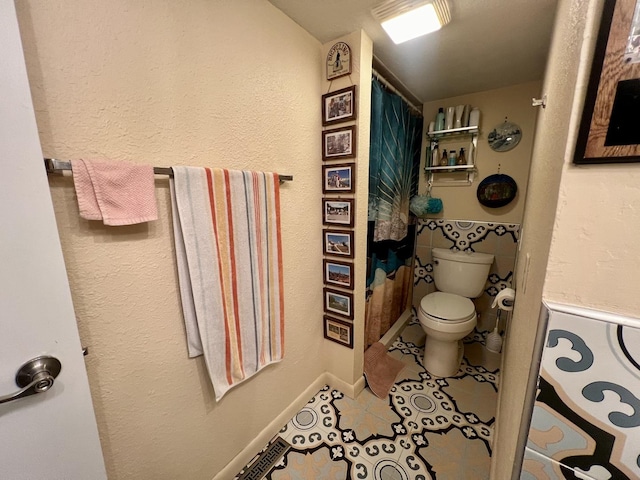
{"points": [[407, 19]]}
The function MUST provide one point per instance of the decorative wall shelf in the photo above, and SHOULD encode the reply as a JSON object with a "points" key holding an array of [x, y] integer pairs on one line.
{"points": [[440, 139]]}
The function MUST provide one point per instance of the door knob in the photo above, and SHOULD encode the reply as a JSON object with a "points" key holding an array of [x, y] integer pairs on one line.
{"points": [[35, 376]]}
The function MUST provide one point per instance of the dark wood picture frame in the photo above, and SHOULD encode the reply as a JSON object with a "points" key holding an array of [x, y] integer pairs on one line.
{"points": [[334, 180], [337, 278], [338, 306], [338, 331], [337, 248], [338, 211], [339, 143], [613, 93], [339, 106]]}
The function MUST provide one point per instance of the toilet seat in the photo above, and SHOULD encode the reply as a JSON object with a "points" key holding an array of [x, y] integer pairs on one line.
{"points": [[447, 307]]}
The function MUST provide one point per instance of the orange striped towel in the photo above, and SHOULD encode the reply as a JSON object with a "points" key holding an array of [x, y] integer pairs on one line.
{"points": [[229, 254]]}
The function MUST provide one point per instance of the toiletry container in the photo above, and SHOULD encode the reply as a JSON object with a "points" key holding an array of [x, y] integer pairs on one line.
{"points": [[462, 159], [459, 113], [444, 161], [474, 117], [465, 115], [449, 118], [440, 119]]}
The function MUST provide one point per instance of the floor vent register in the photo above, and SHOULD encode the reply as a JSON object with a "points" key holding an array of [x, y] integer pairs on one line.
{"points": [[266, 460]]}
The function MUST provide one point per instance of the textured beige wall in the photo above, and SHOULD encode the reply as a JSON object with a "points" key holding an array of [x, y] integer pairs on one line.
{"points": [[342, 362], [211, 83], [569, 262], [460, 202]]}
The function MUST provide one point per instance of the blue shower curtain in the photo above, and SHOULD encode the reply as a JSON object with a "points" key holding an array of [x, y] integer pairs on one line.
{"points": [[393, 179]]}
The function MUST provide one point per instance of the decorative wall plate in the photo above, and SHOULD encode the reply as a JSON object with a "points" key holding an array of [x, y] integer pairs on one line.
{"points": [[497, 190], [505, 136]]}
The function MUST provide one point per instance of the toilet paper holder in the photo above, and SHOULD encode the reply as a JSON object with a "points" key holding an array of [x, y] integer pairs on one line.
{"points": [[504, 299]]}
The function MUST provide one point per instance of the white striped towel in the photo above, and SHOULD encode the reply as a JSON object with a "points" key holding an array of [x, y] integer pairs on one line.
{"points": [[229, 254]]}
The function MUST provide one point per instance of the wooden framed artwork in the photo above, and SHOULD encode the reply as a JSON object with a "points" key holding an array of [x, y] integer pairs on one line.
{"points": [[339, 143], [338, 273], [338, 303], [339, 106], [338, 243], [338, 211], [609, 130], [338, 331], [338, 178]]}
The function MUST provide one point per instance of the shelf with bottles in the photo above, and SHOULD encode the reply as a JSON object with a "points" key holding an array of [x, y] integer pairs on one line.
{"points": [[453, 133], [451, 168]]}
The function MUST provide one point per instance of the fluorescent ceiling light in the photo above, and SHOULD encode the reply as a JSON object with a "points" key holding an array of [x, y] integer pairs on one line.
{"points": [[404, 20]]}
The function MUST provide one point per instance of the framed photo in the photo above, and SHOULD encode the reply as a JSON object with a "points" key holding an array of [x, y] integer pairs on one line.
{"points": [[338, 178], [338, 331], [338, 61], [337, 211], [338, 242], [338, 303], [339, 143], [338, 273], [609, 127], [339, 106]]}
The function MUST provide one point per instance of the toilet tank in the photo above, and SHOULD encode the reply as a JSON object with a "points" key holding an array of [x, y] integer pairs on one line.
{"points": [[462, 273]]}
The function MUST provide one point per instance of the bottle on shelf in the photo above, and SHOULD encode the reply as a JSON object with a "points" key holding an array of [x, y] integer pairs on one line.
{"points": [[452, 158], [474, 117], [462, 159], [435, 155], [444, 161], [440, 119], [449, 118]]}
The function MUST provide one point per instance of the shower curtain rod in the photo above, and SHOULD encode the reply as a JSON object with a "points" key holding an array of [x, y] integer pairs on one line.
{"points": [[54, 166], [387, 84]]}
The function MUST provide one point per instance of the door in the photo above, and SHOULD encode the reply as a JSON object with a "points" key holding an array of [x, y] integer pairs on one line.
{"points": [[50, 435]]}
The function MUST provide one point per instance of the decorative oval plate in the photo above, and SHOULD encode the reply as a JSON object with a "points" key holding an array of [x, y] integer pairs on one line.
{"points": [[505, 136], [497, 190]]}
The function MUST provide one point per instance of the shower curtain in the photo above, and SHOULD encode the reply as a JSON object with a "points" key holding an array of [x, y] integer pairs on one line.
{"points": [[393, 180]]}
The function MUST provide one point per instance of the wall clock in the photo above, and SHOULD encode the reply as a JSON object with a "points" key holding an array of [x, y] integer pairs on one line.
{"points": [[338, 61]]}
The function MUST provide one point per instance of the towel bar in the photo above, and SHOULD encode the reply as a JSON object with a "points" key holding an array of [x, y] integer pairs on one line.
{"points": [[56, 166]]}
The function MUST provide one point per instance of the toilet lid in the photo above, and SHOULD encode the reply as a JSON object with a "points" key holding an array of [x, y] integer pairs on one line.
{"points": [[447, 307]]}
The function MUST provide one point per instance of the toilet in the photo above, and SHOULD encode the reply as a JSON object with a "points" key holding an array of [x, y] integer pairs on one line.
{"points": [[448, 315]]}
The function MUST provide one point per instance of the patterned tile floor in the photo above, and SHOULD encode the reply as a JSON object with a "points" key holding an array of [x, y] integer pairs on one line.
{"points": [[427, 428]]}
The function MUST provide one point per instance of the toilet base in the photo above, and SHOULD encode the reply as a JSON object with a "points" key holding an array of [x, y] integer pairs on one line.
{"points": [[442, 359]]}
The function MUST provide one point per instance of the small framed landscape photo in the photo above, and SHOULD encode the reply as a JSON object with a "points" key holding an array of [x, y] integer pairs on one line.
{"points": [[338, 178], [337, 242], [339, 106], [338, 303], [339, 143], [337, 212], [338, 331], [338, 273]]}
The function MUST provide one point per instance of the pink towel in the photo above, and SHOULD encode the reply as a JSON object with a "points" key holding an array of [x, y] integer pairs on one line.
{"points": [[118, 193]]}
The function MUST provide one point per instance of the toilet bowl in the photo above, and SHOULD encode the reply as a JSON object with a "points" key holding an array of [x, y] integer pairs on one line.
{"points": [[446, 319]]}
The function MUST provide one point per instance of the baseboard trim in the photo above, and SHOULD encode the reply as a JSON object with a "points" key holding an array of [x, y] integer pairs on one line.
{"points": [[351, 391], [250, 451], [396, 328]]}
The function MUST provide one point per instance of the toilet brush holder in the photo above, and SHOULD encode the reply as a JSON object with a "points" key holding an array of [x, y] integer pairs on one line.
{"points": [[494, 341]]}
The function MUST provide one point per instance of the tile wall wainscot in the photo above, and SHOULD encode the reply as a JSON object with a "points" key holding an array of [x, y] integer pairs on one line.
{"points": [[498, 239]]}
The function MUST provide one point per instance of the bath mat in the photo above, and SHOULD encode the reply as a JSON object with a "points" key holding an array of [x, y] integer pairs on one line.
{"points": [[380, 369]]}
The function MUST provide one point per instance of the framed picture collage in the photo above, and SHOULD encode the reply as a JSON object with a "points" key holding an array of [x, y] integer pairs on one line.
{"points": [[338, 202]]}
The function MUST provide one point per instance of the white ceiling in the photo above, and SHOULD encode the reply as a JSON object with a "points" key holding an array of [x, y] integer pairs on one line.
{"points": [[488, 44]]}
